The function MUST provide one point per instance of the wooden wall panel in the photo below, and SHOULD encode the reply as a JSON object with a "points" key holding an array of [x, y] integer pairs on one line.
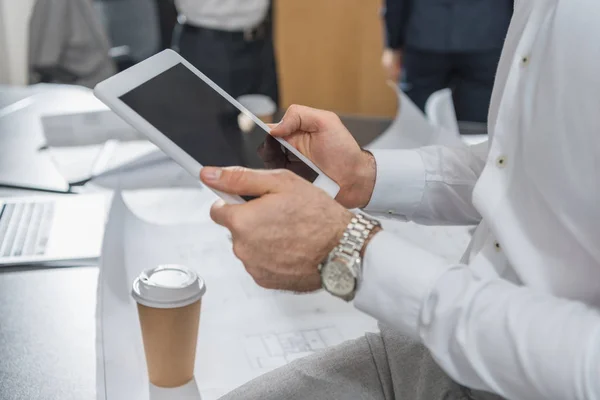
{"points": [[329, 55]]}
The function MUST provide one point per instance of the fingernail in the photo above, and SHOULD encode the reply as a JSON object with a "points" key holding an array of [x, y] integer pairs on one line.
{"points": [[212, 174]]}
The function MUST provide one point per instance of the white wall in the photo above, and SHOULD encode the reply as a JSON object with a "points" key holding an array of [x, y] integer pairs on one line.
{"points": [[14, 26], [4, 73]]}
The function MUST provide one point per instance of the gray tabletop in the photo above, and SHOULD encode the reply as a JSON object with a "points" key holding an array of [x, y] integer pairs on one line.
{"points": [[46, 318], [47, 333]]}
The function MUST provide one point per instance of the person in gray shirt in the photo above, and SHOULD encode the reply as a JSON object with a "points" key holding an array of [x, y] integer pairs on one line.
{"points": [[435, 44], [132, 25], [230, 41], [67, 44]]}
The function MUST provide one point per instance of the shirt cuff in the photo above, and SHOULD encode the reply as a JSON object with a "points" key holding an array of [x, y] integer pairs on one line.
{"points": [[394, 43], [397, 277], [399, 184]]}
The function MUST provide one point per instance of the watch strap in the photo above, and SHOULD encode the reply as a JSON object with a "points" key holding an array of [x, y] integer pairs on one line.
{"points": [[350, 246], [356, 234]]}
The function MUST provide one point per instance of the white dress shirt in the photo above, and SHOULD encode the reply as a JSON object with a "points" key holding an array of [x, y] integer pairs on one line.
{"points": [[226, 15], [519, 315]]}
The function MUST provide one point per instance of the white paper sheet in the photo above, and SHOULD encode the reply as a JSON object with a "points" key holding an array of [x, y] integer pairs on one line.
{"points": [[86, 128], [82, 163], [121, 165], [411, 129], [244, 330], [152, 170]]}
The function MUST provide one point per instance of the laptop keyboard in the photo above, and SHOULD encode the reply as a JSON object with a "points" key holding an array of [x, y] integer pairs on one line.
{"points": [[25, 228]]}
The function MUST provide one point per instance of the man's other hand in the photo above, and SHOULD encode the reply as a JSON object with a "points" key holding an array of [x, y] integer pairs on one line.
{"points": [[323, 138], [391, 61], [282, 236]]}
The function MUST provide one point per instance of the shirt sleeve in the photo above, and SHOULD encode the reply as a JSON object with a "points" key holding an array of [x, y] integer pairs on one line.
{"points": [[49, 27], [431, 185], [487, 334], [395, 17]]}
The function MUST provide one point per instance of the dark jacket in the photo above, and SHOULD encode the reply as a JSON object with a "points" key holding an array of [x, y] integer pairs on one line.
{"points": [[447, 25]]}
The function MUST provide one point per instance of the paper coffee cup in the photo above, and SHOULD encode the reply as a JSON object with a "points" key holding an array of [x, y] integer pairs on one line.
{"points": [[168, 299], [260, 105]]}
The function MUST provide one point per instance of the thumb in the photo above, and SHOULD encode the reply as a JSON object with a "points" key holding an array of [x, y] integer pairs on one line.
{"points": [[300, 118], [244, 181]]}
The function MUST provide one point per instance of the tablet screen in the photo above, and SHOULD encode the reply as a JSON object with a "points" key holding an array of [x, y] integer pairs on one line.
{"points": [[205, 125]]}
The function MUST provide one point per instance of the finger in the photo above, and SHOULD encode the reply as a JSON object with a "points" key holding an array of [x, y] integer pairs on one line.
{"points": [[392, 74], [244, 181], [220, 212], [300, 118], [397, 73]]}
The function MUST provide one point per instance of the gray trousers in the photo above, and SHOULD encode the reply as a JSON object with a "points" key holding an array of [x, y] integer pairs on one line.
{"points": [[382, 366]]}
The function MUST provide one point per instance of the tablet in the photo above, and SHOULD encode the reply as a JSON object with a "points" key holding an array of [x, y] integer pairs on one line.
{"points": [[195, 122]]}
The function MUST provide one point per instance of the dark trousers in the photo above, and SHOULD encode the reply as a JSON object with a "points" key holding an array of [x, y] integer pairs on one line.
{"points": [[469, 75], [237, 63]]}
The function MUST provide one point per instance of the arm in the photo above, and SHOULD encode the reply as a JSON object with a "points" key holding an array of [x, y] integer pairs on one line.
{"points": [[49, 27], [430, 185], [485, 333], [395, 18]]}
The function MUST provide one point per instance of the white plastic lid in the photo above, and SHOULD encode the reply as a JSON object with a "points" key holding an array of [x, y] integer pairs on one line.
{"points": [[168, 286], [258, 104]]}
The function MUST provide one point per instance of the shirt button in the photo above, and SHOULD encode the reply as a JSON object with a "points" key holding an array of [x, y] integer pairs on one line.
{"points": [[497, 246], [524, 61], [501, 161]]}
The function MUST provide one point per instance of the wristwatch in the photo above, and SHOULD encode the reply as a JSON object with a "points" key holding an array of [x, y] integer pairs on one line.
{"points": [[341, 270]]}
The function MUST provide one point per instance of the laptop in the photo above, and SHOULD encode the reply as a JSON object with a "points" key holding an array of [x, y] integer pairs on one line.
{"points": [[52, 230], [22, 165]]}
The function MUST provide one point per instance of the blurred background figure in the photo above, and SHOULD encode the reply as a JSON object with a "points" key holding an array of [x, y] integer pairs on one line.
{"points": [[437, 44], [167, 20], [67, 44], [133, 28], [230, 41]]}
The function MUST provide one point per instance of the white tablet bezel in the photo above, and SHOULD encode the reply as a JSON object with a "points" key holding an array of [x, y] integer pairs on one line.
{"points": [[110, 91]]}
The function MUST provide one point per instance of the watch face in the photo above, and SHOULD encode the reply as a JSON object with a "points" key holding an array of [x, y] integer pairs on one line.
{"points": [[338, 278]]}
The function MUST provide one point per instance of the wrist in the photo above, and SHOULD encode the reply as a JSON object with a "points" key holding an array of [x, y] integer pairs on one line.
{"points": [[374, 232], [342, 227], [395, 51], [359, 181], [366, 175], [342, 269]]}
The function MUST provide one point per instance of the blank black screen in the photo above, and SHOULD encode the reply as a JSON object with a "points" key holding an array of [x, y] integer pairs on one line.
{"points": [[204, 124]]}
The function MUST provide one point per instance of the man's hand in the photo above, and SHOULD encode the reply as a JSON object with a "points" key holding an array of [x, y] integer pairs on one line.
{"points": [[391, 60], [282, 236], [322, 138]]}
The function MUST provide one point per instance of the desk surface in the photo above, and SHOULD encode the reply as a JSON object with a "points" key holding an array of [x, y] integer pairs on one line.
{"points": [[47, 331], [47, 325]]}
